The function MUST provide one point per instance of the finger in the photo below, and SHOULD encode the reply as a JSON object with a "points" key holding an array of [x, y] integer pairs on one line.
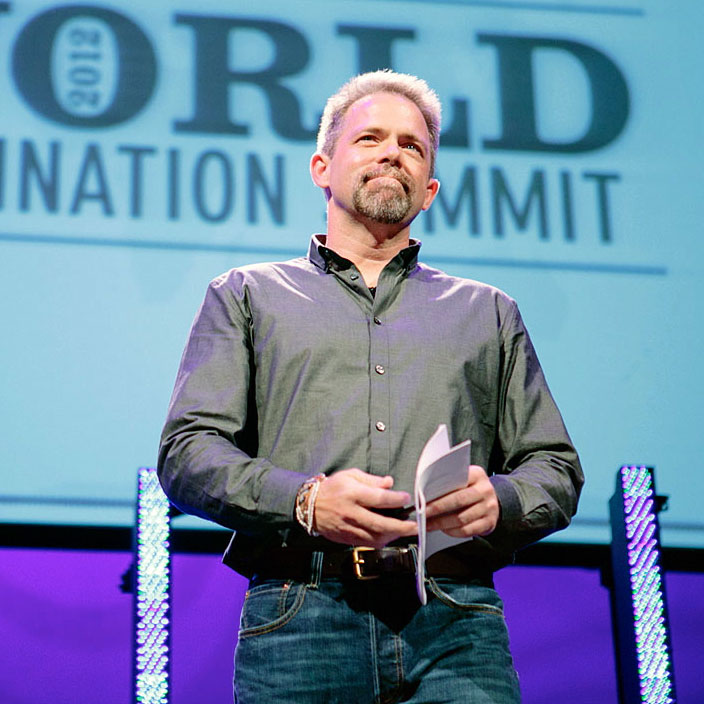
{"points": [[479, 519], [382, 482], [376, 492], [476, 474], [345, 510], [452, 502], [449, 521], [471, 530], [378, 525], [369, 529], [478, 490], [384, 499], [371, 490], [458, 529]]}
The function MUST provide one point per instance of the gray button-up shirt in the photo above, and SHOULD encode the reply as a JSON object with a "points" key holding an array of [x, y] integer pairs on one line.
{"points": [[295, 368]]}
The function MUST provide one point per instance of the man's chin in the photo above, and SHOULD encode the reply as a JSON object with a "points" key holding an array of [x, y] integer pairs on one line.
{"points": [[385, 203], [385, 216]]}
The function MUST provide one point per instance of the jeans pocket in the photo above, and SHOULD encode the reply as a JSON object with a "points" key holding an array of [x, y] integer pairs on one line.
{"points": [[466, 597], [269, 605]]}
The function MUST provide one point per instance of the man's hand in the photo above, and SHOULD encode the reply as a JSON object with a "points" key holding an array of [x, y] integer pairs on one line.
{"points": [[473, 510], [344, 509]]}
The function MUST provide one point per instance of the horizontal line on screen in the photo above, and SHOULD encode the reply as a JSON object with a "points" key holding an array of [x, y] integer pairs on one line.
{"points": [[584, 267], [67, 501], [690, 526], [587, 267], [542, 7], [131, 243]]}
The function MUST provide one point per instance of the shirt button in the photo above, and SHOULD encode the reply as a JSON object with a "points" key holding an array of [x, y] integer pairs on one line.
{"points": [[354, 276], [381, 427], [376, 320], [379, 369]]}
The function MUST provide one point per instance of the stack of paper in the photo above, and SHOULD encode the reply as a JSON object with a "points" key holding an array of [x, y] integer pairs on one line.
{"points": [[441, 469]]}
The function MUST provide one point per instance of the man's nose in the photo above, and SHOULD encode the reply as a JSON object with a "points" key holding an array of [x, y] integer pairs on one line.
{"points": [[390, 152]]}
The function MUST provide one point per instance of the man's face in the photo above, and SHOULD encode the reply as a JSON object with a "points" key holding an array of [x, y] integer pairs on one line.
{"points": [[380, 169]]}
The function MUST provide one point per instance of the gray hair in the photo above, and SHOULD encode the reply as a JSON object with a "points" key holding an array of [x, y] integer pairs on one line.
{"points": [[385, 81]]}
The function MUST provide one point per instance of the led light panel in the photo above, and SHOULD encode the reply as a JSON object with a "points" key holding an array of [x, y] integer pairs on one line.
{"points": [[151, 591], [642, 638]]}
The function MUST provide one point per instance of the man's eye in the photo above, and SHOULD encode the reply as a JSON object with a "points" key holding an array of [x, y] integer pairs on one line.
{"points": [[413, 147]]}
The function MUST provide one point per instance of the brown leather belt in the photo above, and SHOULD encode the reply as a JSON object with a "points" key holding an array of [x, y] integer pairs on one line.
{"points": [[362, 563]]}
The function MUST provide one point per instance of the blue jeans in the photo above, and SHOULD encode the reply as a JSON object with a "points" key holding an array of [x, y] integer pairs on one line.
{"points": [[357, 642]]}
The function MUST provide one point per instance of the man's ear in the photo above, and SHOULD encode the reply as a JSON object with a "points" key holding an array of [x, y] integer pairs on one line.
{"points": [[319, 168], [431, 190]]}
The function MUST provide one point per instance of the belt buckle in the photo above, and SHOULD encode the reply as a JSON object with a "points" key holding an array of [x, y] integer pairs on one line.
{"points": [[358, 563]]}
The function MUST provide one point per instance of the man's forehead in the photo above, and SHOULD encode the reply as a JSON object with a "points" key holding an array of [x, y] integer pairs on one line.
{"points": [[378, 105]]}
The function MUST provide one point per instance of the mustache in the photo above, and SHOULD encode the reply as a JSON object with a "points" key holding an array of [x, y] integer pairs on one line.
{"points": [[391, 172]]}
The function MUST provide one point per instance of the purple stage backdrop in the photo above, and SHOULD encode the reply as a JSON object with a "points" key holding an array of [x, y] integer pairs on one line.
{"points": [[67, 630]]}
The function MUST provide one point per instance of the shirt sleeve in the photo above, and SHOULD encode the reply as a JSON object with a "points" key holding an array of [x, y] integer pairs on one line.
{"points": [[537, 473], [208, 464]]}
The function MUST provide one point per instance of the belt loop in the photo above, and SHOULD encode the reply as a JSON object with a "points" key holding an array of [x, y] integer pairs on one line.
{"points": [[316, 568]]}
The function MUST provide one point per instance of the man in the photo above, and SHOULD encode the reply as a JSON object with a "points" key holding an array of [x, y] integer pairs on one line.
{"points": [[305, 395]]}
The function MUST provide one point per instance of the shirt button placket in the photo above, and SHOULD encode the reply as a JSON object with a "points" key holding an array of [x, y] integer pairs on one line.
{"points": [[380, 401]]}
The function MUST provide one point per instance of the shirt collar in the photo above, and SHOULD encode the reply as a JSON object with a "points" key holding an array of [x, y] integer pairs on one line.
{"points": [[325, 258]]}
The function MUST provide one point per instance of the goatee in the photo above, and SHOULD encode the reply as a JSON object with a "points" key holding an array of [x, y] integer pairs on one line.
{"points": [[384, 203]]}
